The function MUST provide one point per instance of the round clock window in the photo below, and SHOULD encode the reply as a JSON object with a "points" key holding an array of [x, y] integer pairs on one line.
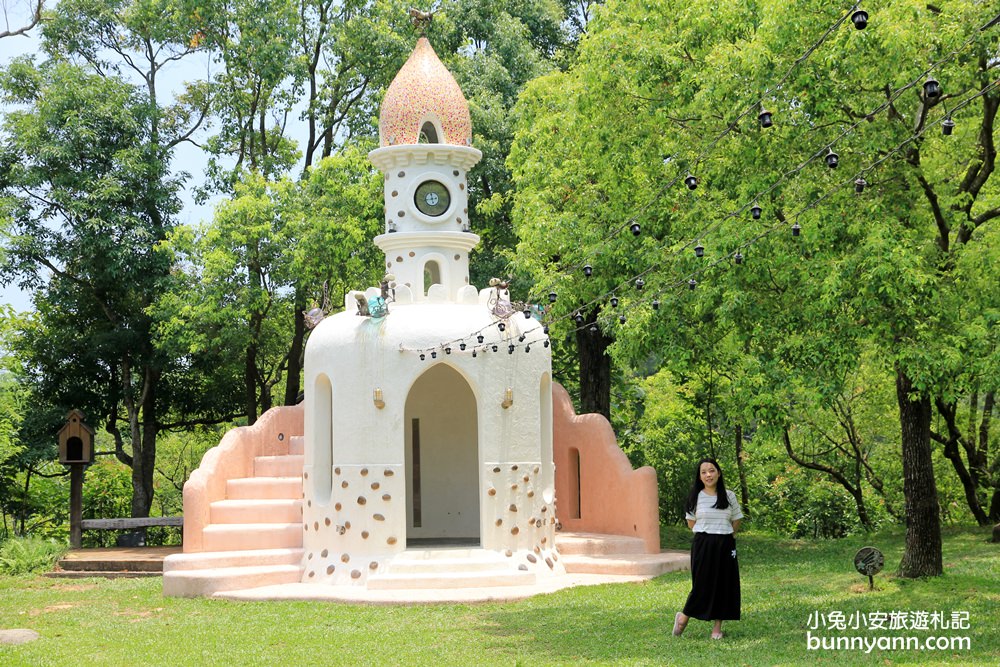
{"points": [[432, 198]]}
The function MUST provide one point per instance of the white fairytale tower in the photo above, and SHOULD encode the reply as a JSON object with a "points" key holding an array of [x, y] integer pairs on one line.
{"points": [[429, 426], [422, 456]]}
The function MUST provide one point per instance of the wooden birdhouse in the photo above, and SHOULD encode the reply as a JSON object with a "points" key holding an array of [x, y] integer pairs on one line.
{"points": [[76, 440]]}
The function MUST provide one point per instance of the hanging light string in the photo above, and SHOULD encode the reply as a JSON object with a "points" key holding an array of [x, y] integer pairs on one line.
{"points": [[685, 281], [822, 151], [669, 185], [792, 172]]}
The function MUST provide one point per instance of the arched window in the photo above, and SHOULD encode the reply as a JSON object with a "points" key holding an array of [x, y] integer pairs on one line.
{"points": [[428, 134], [432, 275]]}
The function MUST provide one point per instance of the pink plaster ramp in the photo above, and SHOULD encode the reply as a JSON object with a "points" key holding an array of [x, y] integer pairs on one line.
{"points": [[597, 490]]}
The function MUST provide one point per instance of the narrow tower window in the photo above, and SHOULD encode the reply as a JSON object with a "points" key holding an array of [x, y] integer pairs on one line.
{"points": [[428, 134]]}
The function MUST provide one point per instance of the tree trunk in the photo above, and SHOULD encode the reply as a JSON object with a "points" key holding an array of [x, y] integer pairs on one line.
{"points": [[294, 377], [922, 553], [595, 368], [144, 447], [250, 383], [741, 469]]}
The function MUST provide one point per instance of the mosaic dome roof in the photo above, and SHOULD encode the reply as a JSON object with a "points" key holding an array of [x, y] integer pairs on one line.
{"points": [[424, 90]]}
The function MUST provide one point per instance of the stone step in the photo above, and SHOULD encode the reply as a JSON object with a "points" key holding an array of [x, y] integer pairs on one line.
{"points": [[460, 579], [297, 444], [241, 536], [646, 565], [197, 583], [598, 544], [267, 510], [116, 559], [278, 466], [253, 488], [228, 559], [438, 561]]}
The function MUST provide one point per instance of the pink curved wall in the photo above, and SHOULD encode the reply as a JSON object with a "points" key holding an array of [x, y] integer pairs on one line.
{"points": [[612, 498], [233, 458]]}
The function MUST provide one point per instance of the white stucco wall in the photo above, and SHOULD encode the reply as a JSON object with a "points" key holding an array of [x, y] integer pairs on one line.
{"points": [[355, 526]]}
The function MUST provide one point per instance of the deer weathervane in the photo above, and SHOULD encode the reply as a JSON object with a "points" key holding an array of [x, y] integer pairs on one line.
{"points": [[421, 20]]}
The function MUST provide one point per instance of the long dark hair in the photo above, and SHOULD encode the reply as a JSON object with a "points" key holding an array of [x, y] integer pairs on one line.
{"points": [[721, 499]]}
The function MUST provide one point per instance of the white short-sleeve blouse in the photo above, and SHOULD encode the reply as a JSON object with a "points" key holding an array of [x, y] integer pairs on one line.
{"points": [[708, 519]]}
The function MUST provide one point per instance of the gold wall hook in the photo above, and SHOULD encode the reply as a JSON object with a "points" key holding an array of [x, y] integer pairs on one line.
{"points": [[508, 398], [377, 398]]}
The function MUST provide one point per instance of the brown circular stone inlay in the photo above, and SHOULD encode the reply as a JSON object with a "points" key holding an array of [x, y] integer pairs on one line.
{"points": [[378, 517], [330, 569], [361, 500], [324, 553], [355, 574], [344, 558], [390, 540]]}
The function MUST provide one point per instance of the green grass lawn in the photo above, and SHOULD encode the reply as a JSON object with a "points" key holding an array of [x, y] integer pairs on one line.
{"points": [[128, 621]]}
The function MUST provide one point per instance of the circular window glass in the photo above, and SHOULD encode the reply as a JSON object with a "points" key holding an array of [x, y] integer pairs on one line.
{"points": [[432, 198]]}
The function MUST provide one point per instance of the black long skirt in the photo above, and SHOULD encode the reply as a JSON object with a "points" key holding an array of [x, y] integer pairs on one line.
{"points": [[715, 579]]}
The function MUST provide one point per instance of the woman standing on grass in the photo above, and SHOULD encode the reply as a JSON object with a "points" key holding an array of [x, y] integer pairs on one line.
{"points": [[713, 513]]}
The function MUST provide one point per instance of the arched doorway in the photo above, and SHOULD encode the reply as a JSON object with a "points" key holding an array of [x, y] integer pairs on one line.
{"points": [[442, 460]]}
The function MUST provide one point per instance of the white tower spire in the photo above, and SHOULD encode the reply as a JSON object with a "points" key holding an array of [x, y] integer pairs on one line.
{"points": [[425, 155]]}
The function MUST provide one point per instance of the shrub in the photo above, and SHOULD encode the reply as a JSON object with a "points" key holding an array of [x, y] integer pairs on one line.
{"points": [[24, 555]]}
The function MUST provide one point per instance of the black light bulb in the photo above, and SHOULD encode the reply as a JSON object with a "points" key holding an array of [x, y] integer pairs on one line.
{"points": [[479, 338], [546, 343], [796, 229], [588, 270], [692, 284], [639, 283], [501, 326], [859, 185], [932, 89], [527, 313], [636, 229], [494, 348], [474, 355], [422, 356], [545, 329], [699, 250], [947, 126], [527, 348], [434, 355], [621, 318], [614, 302], [510, 349], [691, 182], [656, 304], [738, 258], [860, 19], [755, 212], [578, 316], [593, 328], [462, 346], [765, 118], [552, 297], [832, 159], [447, 350]]}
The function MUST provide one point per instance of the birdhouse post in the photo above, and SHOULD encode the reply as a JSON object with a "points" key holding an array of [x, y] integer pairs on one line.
{"points": [[76, 449]]}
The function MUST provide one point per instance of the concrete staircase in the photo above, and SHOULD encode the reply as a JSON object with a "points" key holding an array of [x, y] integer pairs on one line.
{"points": [[449, 568], [593, 553], [254, 537]]}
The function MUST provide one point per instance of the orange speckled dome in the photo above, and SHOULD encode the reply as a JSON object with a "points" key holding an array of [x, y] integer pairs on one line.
{"points": [[424, 90]]}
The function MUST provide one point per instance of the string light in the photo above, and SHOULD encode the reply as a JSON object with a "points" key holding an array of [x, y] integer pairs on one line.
{"points": [[859, 185], [860, 19], [588, 270], [947, 126], [691, 182], [932, 89], [832, 159], [699, 250], [636, 229], [755, 212], [796, 229], [765, 118], [614, 302]]}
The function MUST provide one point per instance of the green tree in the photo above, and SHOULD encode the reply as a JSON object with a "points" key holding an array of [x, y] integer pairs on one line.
{"points": [[659, 90]]}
